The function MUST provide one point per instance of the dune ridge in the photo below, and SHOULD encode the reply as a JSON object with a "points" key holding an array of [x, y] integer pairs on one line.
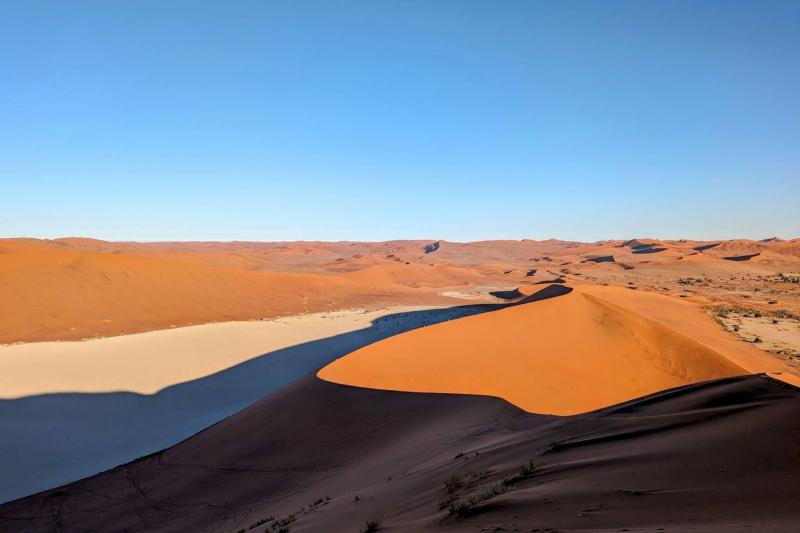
{"points": [[570, 354], [679, 460]]}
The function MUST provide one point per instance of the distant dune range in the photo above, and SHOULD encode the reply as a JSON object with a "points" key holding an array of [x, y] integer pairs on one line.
{"points": [[575, 331], [50, 293], [70, 289]]}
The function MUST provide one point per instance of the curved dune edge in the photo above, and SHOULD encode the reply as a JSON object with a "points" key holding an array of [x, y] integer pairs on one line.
{"points": [[137, 363], [689, 320], [591, 348], [388, 454]]}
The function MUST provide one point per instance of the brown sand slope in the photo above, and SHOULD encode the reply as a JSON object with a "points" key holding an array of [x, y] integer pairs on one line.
{"points": [[564, 355], [328, 457]]}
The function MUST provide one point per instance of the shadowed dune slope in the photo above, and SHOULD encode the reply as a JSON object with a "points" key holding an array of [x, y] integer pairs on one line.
{"points": [[564, 355], [326, 457]]}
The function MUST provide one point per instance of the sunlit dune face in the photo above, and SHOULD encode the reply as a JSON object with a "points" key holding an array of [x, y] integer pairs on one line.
{"points": [[565, 355]]}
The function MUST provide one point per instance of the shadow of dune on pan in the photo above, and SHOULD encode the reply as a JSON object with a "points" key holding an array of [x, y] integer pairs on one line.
{"points": [[53, 439]]}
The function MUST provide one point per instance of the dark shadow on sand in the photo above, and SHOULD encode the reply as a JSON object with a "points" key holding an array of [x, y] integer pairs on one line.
{"points": [[53, 439]]}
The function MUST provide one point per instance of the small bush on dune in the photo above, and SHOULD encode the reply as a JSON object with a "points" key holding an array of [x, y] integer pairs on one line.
{"points": [[462, 506], [371, 525], [453, 483]]}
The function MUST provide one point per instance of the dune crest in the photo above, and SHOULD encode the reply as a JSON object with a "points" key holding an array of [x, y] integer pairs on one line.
{"points": [[565, 355]]}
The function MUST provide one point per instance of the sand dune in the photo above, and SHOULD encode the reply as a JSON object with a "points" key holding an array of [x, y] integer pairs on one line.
{"points": [[688, 319], [69, 289], [53, 293], [535, 355], [146, 363], [334, 455], [716, 456]]}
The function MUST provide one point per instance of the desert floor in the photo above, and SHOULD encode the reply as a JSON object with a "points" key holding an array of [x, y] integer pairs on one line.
{"points": [[425, 350]]}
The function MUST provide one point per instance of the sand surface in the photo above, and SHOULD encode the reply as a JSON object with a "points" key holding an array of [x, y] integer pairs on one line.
{"points": [[584, 350], [316, 456], [68, 292], [146, 363], [70, 289], [72, 409]]}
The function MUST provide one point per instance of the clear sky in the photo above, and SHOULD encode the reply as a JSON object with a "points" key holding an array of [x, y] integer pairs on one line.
{"points": [[373, 120]]}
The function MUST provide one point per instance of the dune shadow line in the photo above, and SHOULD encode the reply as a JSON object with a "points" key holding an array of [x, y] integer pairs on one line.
{"points": [[53, 439]]}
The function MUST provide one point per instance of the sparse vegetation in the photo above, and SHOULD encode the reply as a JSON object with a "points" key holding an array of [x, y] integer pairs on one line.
{"points": [[282, 525], [787, 278], [260, 522], [461, 505], [371, 525], [726, 310], [319, 502], [553, 446], [453, 483]]}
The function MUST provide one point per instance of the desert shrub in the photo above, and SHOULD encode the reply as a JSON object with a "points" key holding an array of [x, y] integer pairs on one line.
{"points": [[371, 525], [453, 483], [462, 506]]}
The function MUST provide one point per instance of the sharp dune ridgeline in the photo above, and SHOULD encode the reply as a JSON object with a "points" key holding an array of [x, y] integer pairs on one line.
{"points": [[535, 355], [318, 456]]}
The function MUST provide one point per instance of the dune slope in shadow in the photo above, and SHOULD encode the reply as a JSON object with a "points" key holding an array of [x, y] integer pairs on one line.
{"points": [[318, 456], [52, 439]]}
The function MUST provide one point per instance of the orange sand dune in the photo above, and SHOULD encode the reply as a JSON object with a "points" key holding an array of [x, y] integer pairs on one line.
{"points": [[687, 319], [72, 288], [565, 355], [51, 293]]}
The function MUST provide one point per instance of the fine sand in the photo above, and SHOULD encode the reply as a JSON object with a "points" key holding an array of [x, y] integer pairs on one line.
{"points": [[587, 349], [146, 363], [63, 293], [72, 289], [714, 457], [72, 409]]}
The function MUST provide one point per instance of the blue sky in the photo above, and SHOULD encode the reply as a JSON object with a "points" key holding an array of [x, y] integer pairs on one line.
{"points": [[254, 120]]}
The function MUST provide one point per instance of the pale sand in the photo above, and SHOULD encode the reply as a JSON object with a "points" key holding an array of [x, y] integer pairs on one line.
{"points": [[69, 420], [148, 362]]}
